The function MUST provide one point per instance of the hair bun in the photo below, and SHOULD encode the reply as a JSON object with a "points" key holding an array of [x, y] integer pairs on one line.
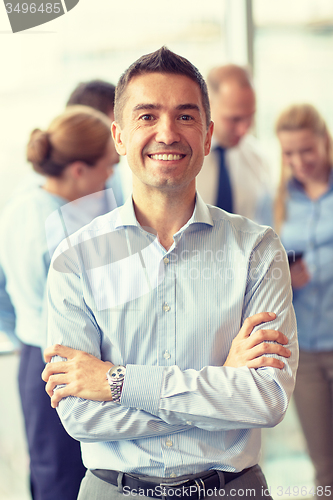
{"points": [[38, 148]]}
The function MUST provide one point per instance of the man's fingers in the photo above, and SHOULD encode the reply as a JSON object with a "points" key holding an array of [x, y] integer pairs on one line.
{"points": [[269, 348], [265, 361], [58, 350], [52, 368], [54, 380], [253, 321], [58, 395], [267, 335]]}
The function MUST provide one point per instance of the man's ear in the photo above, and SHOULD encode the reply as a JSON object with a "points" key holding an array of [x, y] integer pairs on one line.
{"points": [[117, 138], [208, 139]]}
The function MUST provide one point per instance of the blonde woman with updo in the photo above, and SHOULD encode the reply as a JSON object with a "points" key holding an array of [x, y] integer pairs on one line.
{"points": [[304, 216], [76, 156]]}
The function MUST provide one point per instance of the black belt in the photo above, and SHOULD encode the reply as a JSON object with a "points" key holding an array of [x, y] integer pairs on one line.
{"points": [[194, 489]]}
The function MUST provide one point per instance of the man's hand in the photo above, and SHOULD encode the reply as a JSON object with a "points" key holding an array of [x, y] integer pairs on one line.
{"points": [[249, 350], [83, 374]]}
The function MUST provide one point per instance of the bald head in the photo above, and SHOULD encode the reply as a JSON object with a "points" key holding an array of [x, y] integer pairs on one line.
{"points": [[232, 102], [228, 73]]}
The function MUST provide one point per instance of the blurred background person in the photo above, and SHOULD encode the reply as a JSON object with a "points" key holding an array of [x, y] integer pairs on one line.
{"points": [[75, 155], [97, 94], [235, 175], [304, 209]]}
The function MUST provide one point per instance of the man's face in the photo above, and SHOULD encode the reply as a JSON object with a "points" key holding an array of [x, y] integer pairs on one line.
{"points": [[233, 109], [163, 131]]}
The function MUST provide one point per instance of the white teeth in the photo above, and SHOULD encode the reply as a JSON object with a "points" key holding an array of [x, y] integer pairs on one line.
{"points": [[166, 157]]}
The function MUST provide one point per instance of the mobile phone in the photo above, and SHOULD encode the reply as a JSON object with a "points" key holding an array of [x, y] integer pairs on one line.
{"points": [[294, 257]]}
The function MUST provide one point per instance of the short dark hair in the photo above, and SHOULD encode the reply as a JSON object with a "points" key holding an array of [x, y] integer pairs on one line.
{"points": [[160, 61], [97, 94]]}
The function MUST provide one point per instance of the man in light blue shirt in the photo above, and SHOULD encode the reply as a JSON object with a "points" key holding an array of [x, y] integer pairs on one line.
{"points": [[171, 391]]}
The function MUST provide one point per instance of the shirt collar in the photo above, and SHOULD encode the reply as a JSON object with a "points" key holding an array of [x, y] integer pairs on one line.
{"points": [[201, 214], [126, 214]]}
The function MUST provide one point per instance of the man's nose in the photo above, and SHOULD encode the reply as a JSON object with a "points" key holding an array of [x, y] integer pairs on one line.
{"points": [[243, 127], [167, 131]]}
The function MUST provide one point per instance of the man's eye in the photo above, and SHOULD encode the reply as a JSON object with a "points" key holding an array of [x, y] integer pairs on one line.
{"points": [[186, 118], [146, 117]]}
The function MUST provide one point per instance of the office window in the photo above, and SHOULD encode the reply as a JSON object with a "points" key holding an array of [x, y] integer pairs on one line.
{"points": [[293, 47]]}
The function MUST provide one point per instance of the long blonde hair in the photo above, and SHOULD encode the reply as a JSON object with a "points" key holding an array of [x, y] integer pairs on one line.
{"points": [[297, 117]]}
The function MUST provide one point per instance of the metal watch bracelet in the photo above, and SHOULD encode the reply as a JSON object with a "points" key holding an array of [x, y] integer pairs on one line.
{"points": [[115, 377]]}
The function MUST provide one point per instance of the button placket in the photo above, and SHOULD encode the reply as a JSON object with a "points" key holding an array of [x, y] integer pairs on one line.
{"points": [[166, 322], [171, 456]]}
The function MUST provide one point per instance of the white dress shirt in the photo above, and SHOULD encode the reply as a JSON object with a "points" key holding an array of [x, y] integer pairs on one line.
{"points": [[250, 180]]}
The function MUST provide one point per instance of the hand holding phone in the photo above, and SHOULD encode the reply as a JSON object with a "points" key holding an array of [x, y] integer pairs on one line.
{"points": [[298, 271]]}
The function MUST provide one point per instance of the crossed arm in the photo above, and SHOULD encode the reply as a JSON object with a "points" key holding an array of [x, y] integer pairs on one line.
{"points": [[251, 390], [84, 375]]}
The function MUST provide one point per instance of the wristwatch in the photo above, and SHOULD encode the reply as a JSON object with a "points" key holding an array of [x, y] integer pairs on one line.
{"points": [[115, 377]]}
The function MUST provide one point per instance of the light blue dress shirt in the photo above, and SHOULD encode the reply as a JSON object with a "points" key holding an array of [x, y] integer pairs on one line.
{"points": [[114, 182], [308, 228], [170, 317], [32, 224]]}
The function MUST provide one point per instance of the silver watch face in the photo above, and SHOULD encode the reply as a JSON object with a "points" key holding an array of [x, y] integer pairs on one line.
{"points": [[117, 373]]}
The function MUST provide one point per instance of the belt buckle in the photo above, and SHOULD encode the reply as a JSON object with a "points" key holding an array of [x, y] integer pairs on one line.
{"points": [[198, 487], [171, 486], [182, 483], [175, 484]]}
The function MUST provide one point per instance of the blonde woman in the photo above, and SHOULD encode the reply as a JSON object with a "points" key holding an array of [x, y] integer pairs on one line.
{"points": [[76, 156], [304, 216]]}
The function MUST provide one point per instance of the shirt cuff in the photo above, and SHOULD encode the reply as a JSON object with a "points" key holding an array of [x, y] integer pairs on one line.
{"points": [[142, 387]]}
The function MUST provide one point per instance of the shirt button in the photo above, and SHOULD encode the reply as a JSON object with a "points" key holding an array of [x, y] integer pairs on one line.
{"points": [[166, 260], [188, 422], [169, 443], [166, 355], [166, 307]]}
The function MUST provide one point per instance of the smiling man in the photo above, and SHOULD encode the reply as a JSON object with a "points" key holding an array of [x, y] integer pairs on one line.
{"points": [[171, 392]]}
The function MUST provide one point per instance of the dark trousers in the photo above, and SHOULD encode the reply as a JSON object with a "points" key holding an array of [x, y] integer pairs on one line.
{"points": [[56, 468]]}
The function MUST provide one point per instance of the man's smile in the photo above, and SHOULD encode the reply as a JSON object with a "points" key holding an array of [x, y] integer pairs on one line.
{"points": [[167, 156]]}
